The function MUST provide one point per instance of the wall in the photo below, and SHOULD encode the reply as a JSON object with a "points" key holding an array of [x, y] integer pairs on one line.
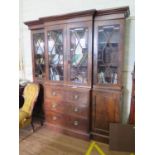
{"points": [[33, 9]]}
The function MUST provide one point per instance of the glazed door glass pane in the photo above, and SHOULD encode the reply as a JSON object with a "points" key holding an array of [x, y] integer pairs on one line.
{"points": [[39, 54], [108, 54], [79, 55], [56, 55]]}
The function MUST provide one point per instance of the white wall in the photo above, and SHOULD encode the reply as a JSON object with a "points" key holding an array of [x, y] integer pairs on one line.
{"points": [[34, 9]]}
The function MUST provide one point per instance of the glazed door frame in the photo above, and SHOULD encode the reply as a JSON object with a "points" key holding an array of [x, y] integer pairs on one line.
{"points": [[50, 28], [88, 25], [33, 54], [98, 23]]}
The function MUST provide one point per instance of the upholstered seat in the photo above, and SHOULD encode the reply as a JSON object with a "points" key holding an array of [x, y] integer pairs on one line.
{"points": [[30, 95]]}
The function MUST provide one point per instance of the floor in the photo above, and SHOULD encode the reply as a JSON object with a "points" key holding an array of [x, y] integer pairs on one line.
{"points": [[45, 142]]}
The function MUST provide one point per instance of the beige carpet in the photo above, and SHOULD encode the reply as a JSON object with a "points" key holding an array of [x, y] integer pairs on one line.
{"points": [[46, 142]]}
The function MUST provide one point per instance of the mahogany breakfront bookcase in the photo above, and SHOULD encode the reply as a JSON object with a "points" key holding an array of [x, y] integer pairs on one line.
{"points": [[77, 57]]}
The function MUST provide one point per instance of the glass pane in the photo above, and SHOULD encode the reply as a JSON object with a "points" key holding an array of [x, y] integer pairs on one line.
{"points": [[79, 55], [56, 55], [39, 57], [108, 50]]}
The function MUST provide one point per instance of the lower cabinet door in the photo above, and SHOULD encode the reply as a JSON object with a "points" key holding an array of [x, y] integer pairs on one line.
{"points": [[105, 110]]}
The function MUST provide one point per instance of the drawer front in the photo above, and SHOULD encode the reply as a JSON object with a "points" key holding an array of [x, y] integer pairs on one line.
{"points": [[55, 93], [80, 111], [78, 97], [56, 118], [54, 105], [67, 108], [68, 121], [78, 124]]}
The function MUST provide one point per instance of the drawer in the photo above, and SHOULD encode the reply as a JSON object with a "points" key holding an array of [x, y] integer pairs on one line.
{"points": [[78, 124], [54, 105], [56, 118], [55, 93], [68, 121], [77, 97], [72, 95], [67, 108], [79, 111]]}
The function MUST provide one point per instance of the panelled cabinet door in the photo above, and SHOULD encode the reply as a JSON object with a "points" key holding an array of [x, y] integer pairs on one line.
{"points": [[108, 50], [38, 46], [56, 49], [79, 53], [106, 109]]}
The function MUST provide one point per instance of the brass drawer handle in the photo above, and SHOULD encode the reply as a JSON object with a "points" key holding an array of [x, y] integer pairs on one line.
{"points": [[76, 109], [54, 105], [54, 93], [54, 118], [76, 123], [76, 97]]}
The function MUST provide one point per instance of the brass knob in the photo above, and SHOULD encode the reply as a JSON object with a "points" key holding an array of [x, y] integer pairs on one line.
{"points": [[54, 105], [76, 123], [54, 93], [54, 118], [76, 109], [76, 97]]}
